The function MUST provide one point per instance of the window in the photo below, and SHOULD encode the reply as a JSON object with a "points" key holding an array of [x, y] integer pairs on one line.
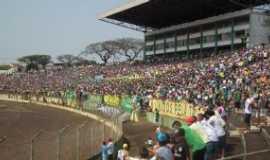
{"points": [[225, 36], [159, 46], [149, 48], [219, 37], [182, 43], [209, 39], [240, 34], [169, 45], [194, 41]]}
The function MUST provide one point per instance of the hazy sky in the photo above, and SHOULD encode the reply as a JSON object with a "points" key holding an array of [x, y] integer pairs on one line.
{"points": [[54, 26]]}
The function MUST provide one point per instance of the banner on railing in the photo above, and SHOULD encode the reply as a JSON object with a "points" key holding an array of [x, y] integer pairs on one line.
{"points": [[126, 103], [113, 101], [176, 109], [70, 98], [92, 101]]}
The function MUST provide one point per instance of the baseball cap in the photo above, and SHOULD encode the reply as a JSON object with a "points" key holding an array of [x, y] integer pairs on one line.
{"points": [[189, 120], [162, 137]]}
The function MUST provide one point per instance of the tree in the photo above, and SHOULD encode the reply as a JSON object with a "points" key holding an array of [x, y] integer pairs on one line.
{"points": [[33, 61], [80, 61], [67, 59], [44, 60], [130, 47], [104, 50], [5, 67]]}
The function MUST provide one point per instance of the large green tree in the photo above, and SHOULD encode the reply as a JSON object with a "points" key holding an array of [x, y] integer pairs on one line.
{"points": [[104, 50], [71, 60], [33, 61], [130, 48], [68, 60]]}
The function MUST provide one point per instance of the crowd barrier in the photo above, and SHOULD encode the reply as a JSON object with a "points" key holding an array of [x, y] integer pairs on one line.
{"points": [[89, 102], [71, 142]]}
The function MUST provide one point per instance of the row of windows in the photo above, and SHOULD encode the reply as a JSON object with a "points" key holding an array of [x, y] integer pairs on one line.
{"points": [[197, 40]]}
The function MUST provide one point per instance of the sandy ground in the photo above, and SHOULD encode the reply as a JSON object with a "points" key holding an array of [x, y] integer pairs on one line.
{"points": [[19, 122]]}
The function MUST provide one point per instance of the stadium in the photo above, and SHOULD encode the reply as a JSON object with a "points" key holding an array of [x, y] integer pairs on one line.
{"points": [[202, 91]]}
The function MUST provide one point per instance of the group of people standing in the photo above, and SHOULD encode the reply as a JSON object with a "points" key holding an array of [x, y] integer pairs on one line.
{"points": [[201, 137], [108, 151]]}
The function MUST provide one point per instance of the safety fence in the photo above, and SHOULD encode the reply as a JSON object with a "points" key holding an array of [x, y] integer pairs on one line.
{"points": [[70, 98], [74, 142], [168, 109], [125, 103], [260, 154]]}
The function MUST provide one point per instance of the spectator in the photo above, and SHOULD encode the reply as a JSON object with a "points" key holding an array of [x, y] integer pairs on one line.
{"points": [[179, 145], [248, 111], [104, 151], [212, 144], [110, 147], [123, 153], [163, 152]]}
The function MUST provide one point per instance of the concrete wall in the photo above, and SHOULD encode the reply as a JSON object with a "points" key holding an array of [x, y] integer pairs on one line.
{"points": [[259, 31]]}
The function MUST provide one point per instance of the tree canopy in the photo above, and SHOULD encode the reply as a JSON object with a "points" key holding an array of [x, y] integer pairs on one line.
{"points": [[5, 67], [67, 59], [33, 61], [104, 50], [130, 47]]}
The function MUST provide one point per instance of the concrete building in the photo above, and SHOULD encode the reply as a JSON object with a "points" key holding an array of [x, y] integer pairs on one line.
{"points": [[194, 27]]}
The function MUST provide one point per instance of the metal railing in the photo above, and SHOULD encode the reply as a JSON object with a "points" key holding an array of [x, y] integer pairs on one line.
{"points": [[249, 155]]}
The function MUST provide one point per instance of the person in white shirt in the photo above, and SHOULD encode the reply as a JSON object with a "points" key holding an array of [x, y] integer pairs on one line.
{"points": [[248, 111], [219, 125], [123, 153], [199, 129], [212, 145]]}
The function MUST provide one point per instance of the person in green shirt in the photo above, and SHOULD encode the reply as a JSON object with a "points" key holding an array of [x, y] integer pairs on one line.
{"points": [[195, 143], [237, 99]]}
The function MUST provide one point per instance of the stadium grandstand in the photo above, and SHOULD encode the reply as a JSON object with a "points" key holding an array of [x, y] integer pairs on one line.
{"points": [[194, 27], [210, 108]]}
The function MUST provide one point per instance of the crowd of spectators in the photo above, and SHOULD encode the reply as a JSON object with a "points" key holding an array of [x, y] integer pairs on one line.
{"points": [[207, 81]]}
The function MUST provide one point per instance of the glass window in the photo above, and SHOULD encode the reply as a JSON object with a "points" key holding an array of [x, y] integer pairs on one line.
{"points": [[239, 34], [169, 44], [149, 48], [225, 36], [209, 39], [182, 43], [159, 46], [219, 37], [194, 41]]}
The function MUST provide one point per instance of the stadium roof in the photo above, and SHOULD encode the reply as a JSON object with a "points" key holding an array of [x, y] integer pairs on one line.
{"points": [[156, 14]]}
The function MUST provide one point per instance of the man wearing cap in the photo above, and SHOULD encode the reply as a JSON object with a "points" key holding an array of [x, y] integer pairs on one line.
{"points": [[163, 152]]}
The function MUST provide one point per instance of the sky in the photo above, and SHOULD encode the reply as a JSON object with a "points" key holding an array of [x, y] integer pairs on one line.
{"points": [[54, 27]]}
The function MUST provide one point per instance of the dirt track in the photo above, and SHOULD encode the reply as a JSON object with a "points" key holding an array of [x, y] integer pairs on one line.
{"points": [[19, 122]]}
